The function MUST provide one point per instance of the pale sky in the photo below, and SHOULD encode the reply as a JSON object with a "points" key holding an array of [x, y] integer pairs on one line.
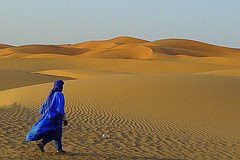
{"points": [[74, 21]]}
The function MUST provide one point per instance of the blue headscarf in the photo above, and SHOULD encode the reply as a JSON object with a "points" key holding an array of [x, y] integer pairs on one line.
{"points": [[57, 87]]}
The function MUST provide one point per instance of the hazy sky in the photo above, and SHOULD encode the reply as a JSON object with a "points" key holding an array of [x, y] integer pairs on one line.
{"points": [[72, 21]]}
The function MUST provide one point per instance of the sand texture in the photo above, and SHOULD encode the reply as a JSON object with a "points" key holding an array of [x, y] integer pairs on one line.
{"points": [[126, 98]]}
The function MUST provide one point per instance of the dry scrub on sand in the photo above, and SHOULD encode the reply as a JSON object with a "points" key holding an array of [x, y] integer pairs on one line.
{"points": [[126, 98]]}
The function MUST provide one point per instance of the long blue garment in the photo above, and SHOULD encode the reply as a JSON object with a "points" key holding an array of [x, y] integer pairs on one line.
{"points": [[51, 120]]}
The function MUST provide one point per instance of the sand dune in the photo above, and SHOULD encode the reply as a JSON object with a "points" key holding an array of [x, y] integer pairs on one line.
{"points": [[48, 49], [193, 48], [126, 39], [126, 51], [168, 99], [95, 45], [124, 47], [113, 48], [5, 53], [179, 51], [2, 46]]}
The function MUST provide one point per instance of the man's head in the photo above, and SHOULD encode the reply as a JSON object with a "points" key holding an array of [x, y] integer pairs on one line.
{"points": [[58, 84]]}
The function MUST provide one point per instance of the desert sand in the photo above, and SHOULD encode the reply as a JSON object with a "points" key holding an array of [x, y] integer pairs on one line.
{"points": [[126, 98]]}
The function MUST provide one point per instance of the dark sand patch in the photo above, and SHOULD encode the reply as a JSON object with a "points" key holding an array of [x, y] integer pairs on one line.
{"points": [[10, 78]]}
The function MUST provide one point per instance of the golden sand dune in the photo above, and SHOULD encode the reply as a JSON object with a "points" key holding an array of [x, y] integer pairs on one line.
{"points": [[178, 51], [125, 99], [112, 48], [106, 44], [2, 46], [126, 51], [193, 48], [95, 45], [48, 49], [125, 48], [5, 53]]}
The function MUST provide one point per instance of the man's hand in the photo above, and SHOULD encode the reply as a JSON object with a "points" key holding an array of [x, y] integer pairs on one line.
{"points": [[65, 122]]}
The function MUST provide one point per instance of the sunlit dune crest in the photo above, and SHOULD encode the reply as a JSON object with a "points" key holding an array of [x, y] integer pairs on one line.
{"points": [[126, 39], [95, 45]]}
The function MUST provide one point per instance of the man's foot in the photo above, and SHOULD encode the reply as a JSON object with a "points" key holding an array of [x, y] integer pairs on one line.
{"points": [[61, 152], [40, 146]]}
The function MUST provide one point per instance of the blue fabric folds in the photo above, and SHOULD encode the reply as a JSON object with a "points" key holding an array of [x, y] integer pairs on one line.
{"points": [[52, 112]]}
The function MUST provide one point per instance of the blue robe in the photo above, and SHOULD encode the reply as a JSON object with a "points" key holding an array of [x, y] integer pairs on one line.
{"points": [[51, 120]]}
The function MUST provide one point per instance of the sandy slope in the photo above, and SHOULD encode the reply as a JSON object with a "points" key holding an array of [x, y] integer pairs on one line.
{"points": [[167, 102], [3, 46], [183, 46], [47, 49], [139, 114], [95, 45], [227, 72], [126, 51]]}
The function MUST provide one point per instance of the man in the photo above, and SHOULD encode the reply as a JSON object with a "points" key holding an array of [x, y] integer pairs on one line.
{"points": [[49, 126]]}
